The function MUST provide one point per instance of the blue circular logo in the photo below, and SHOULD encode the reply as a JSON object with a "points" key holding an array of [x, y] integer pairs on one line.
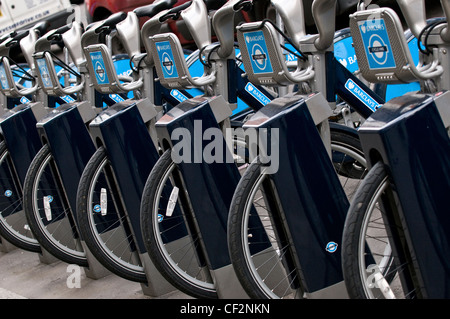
{"points": [[50, 198], [331, 247], [8, 193], [97, 208], [160, 218], [378, 49]]}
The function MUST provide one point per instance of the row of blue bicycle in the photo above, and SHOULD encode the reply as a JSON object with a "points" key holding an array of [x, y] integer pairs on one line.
{"points": [[269, 163]]}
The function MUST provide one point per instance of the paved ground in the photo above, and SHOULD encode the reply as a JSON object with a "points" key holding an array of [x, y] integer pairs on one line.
{"points": [[23, 275]]}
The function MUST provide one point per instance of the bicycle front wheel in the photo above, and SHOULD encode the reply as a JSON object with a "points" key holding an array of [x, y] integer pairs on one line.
{"points": [[48, 211], [169, 232], [103, 222], [375, 256], [269, 272], [14, 226]]}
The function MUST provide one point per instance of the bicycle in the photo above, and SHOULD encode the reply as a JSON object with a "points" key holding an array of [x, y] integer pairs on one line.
{"points": [[165, 204], [125, 173], [50, 185], [24, 104], [395, 236], [47, 189], [117, 244], [302, 205], [112, 180], [19, 136], [52, 181]]}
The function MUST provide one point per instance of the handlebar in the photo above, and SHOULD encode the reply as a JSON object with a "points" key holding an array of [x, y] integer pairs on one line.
{"points": [[4, 37], [174, 13], [446, 8], [223, 24], [324, 13], [195, 15], [63, 29], [111, 21], [27, 40], [55, 35], [16, 38], [41, 27], [154, 8], [292, 14], [96, 32], [414, 14], [243, 5]]}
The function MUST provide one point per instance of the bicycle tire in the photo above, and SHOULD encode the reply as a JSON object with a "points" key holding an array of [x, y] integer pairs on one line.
{"points": [[102, 233], [254, 269], [184, 278], [14, 226], [49, 215], [345, 167], [251, 179], [371, 267], [348, 160]]}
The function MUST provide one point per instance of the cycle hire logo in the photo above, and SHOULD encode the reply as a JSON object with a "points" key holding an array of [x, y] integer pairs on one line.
{"points": [[259, 56], [331, 247], [99, 67], [166, 59], [377, 44]]}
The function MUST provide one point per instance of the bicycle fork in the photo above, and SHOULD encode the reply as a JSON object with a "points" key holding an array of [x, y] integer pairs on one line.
{"points": [[18, 130], [122, 130], [307, 201], [209, 186], [64, 130], [409, 135]]}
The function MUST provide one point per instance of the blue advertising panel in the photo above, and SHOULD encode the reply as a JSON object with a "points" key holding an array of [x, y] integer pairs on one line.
{"points": [[259, 55], [45, 74], [165, 55], [99, 67], [376, 44]]}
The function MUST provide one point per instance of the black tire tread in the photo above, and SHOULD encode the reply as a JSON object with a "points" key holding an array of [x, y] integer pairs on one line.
{"points": [[352, 230], [147, 218], [4, 231], [45, 242], [237, 256], [84, 223]]}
